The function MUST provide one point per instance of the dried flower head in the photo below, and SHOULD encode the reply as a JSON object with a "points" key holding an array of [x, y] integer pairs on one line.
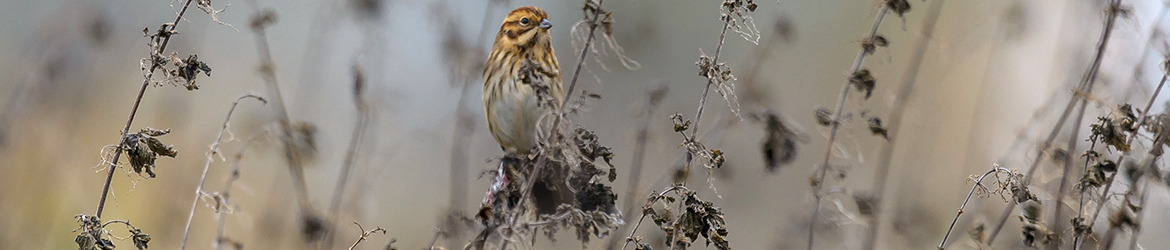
{"points": [[870, 44], [1111, 129], [863, 81], [143, 148], [679, 124]]}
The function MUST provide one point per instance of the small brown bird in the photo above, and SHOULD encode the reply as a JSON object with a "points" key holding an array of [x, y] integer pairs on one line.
{"points": [[522, 82], [521, 63]]}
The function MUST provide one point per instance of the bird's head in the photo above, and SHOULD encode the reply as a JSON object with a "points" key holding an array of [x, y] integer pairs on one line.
{"points": [[525, 27]]}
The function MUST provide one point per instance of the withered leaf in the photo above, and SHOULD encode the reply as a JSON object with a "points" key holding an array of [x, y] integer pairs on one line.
{"points": [[143, 148]]}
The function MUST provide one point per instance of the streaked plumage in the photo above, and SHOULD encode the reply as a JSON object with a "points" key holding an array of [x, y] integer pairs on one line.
{"points": [[524, 43]]}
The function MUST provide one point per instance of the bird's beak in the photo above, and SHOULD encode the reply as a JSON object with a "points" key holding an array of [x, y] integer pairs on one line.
{"points": [[545, 24]]}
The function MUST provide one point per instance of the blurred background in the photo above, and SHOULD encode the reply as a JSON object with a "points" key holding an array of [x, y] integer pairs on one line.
{"points": [[991, 85]]}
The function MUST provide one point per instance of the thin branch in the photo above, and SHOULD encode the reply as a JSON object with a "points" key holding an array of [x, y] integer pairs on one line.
{"points": [[224, 197], [639, 155], [710, 81], [1116, 223], [675, 188], [435, 239], [895, 119], [978, 183], [134, 110], [260, 20], [359, 130], [211, 153], [1068, 162], [1081, 199], [365, 234], [634, 230], [584, 53], [835, 125], [1137, 229], [1086, 87], [463, 124]]}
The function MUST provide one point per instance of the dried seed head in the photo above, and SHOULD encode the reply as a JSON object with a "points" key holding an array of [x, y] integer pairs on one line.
{"points": [[875, 127], [863, 81], [870, 44], [679, 124], [717, 158], [899, 7], [824, 117]]}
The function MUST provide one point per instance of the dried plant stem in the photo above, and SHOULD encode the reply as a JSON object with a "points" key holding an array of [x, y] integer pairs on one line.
{"points": [[707, 89], [359, 130], [978, 183], [435, 239], [1154, 37], [639, 157], [639, 224], [1081, 198], [134, 110], [211, 153], [1109, 181], [895, 122], [1137, 229], [226, 194], [268, 72], [1115, 226], [632, 231], [464, 124], [584, 53], [1068, 162], [365, 234], [834, 126], [1086, 87]]}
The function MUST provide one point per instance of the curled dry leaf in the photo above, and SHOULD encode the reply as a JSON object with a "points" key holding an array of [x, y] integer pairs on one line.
{"points": [[143, 148]]}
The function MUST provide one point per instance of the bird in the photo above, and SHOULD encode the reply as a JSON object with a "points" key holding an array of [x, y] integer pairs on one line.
{"points": [[521, 64], [521, 83]]}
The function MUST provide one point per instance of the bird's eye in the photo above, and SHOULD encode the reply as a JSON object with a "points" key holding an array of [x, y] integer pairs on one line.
{"points": [[524, 21]]}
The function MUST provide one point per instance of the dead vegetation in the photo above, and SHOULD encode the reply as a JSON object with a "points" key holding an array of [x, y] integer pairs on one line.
{"points": [[572, 181]]}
